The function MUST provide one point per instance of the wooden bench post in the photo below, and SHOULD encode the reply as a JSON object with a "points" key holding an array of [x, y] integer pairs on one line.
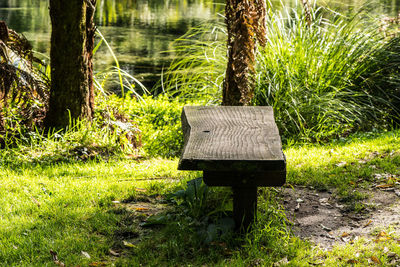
{"points": [[236, 146], [244, 206]]}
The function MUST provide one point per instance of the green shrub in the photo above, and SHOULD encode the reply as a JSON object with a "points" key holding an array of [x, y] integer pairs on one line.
{"points": [[159, 122], [157, 118]]}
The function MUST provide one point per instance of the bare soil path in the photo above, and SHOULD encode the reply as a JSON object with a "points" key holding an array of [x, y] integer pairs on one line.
{"points": [[320, 218]]}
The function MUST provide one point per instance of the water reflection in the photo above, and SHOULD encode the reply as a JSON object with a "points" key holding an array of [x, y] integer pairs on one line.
{"points": [[140, 31]]}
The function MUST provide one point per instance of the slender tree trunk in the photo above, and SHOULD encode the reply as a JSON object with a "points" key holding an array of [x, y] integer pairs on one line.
{"points": [[90, 33], [72, 41], [245, 21]]}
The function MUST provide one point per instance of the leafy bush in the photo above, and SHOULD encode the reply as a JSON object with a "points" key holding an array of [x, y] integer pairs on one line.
{"points": [[158, 119], [159, 122]]}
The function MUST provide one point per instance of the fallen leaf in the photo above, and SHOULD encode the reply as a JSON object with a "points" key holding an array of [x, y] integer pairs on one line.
{"points": [[95, 264], [297, 208], [345, 234], [382, 233], [128, 244], [379, 176], [382, 236], [341, 164], [375, 259], [112, 252], [353, 183], [140, 189], [141, 209], [324, 202], [330, 236], [384, 186], [352, 261], [368, 223], [55, 259], [325, 228], [85, 254], [339, 206], [346, 239]]}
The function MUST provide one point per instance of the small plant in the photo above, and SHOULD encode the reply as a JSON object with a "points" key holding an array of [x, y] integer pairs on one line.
{"points": [[193, 198]]}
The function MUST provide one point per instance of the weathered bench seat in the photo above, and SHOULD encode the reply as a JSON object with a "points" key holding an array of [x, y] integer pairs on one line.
{"points": [[236, 146]]}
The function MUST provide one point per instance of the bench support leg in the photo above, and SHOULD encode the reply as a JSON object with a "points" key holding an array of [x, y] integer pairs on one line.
{"points": [[244, 206]]}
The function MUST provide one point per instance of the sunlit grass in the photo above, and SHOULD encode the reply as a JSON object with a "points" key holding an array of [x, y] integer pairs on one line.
{"points": [[68, 207], [77, 205]]}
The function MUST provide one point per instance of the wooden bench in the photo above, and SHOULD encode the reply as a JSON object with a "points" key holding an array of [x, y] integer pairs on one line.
{"points": [[237, 146]]}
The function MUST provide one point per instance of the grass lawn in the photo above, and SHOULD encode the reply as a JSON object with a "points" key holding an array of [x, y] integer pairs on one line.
{"points": [[94, 212]]}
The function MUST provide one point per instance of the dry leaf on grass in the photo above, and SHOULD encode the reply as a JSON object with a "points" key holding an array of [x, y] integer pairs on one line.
{"points": [[141, 209], [128, 244], [382, 236], [375, 260], [85, 254], [341, 164], [384, 186], [55, 259], [325, 228], [140, 189], [114, 253], [368, 223], [345, 234]]}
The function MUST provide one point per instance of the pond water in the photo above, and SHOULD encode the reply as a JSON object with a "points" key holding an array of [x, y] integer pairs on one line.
{"points": [[141, 31]]}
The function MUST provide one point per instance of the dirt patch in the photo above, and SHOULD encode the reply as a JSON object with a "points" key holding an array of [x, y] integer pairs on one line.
{"points": [[320, 218]]}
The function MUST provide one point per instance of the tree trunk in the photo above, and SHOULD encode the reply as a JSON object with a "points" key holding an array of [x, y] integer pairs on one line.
{"points": [[72, 42], [245, 21]]}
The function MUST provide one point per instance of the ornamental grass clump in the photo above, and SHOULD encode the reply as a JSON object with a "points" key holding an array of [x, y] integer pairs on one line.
{"points": [[326, 74], [198, 72]]}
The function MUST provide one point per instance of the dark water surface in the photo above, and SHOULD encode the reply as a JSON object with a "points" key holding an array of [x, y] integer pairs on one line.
{"points": [[141, 31]]}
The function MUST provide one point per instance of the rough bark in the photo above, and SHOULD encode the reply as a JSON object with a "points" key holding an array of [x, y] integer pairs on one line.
{"points": [[245, 21], [72, 95]]}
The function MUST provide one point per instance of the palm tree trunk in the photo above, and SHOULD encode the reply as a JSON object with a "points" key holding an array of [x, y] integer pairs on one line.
{"points": [[245, 21]]}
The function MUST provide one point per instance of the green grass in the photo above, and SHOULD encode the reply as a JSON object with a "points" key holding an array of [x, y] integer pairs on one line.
{"points": [[67, 207]]}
